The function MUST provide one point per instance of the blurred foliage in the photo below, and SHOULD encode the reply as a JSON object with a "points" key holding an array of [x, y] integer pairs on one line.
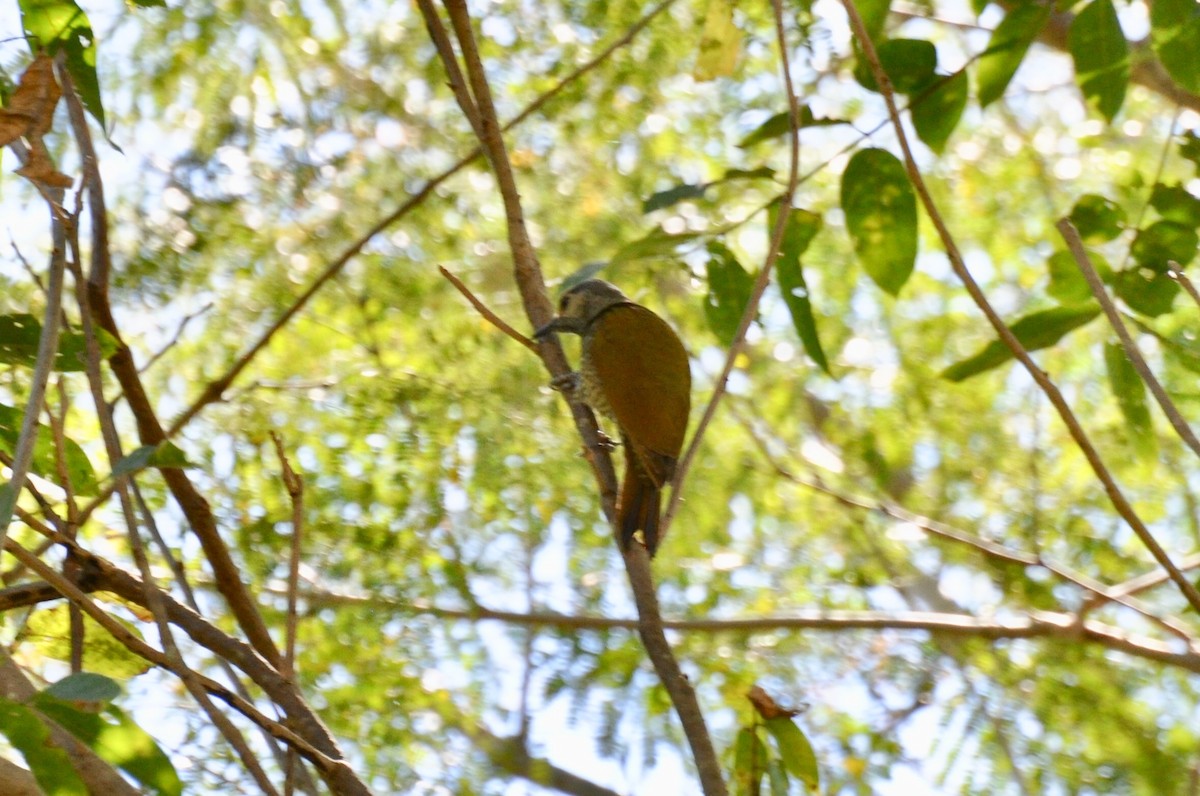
{"points": [[442, 475]]}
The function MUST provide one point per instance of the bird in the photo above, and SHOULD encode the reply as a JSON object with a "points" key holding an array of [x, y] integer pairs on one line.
{"points": [[633, 370]]}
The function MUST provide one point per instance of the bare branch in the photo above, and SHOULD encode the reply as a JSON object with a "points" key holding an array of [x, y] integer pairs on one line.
{"points": [[1071, 236], [760, 284], [295, 489], [1033, 624], [47, 351], [1176, 273], [531, 284], [483, 310], [1098, 593]]}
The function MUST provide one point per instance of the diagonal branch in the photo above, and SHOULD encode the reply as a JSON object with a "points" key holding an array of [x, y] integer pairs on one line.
{"points": [[1082, 441], [1071, 236], [1097, 592], [760, 284], [94, 303]]}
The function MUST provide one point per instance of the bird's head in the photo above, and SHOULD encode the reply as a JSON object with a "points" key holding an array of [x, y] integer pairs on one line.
{"points": [[580, 305]]}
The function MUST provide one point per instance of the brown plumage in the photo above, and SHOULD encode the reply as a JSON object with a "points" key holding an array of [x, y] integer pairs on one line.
{"points": [[634, 370]]}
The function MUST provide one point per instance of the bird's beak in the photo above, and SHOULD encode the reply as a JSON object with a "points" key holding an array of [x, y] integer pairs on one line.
{"points": [[559, 324]]}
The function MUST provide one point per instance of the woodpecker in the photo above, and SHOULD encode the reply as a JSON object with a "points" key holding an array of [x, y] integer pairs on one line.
{"points": [[633, 370]]}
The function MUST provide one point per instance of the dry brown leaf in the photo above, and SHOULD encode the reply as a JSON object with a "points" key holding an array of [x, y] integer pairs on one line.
{"points": [[767, 707], [39, 167], [30, 113], [30, 109]]}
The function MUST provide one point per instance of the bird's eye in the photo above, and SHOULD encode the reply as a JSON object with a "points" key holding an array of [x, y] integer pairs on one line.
{"points": [[563, 303]]}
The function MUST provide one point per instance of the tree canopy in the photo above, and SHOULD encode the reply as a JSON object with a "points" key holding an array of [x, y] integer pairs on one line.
{"points": [[288, 500]]}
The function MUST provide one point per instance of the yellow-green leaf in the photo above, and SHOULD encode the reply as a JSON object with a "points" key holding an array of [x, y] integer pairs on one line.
{"points": [[881, 215], [719, 43]]}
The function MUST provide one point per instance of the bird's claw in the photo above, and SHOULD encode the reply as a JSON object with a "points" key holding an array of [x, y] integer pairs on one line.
{"points": [[567, 383], [605, 442]]}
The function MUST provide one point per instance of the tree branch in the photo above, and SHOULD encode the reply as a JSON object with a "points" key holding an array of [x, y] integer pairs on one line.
{"points": [[1071, 236], [94, 303], [764, 276]]}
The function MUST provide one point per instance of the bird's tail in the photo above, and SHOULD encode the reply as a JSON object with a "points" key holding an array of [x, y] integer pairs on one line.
{"points": [[640, 504]]}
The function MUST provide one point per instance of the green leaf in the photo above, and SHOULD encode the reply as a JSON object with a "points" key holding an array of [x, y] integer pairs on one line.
{"points": [[1176, 203], [164, 454], [1101, 55], [117, 740], [21, 332], [777, 777], [937, 113], [799, 231], [1096, 218], [780, 125], [1182, 350], [1175, 33], [1067, 283], [62, 25], [881, 215], [1189, 147], [795, 751], [1145, 291], [150, 3], [48, 763], [1130, 392], [674, 195], [720, 42], [1006, 49], [49, 630], [657, 243], [749, 762], [687, 191], [581, 274], [1163, 242], [85, 687], [44, 463], [874, 15], [729, 289], [909, 64], [1034, 331]]}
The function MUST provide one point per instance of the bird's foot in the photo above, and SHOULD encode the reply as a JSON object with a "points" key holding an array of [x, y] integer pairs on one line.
{"points": [[605, 442], [567, 383]]}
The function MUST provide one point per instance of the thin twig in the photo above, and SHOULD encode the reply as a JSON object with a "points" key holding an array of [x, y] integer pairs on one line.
{"points": [[1071, 236], [760, 285], [1031, 624], [1098, 592], [294, 485], [1153, 578], [1111, 488], [1176, 273], [175, 338], [483, 310], [47, 351]]}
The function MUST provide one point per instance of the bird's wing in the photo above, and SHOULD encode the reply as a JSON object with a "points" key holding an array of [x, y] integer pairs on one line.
{"points": [[643, 370]]}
